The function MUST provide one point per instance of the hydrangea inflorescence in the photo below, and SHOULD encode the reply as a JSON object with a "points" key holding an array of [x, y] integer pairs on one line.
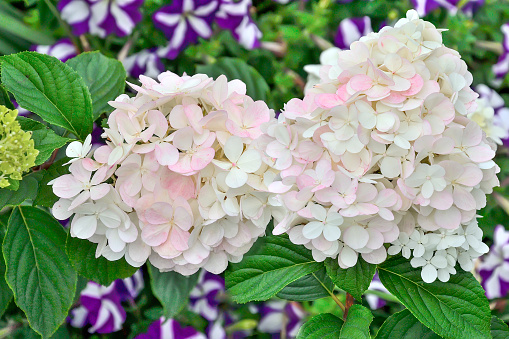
{"points": [[17, 152], [381, 152], [179, 182]]}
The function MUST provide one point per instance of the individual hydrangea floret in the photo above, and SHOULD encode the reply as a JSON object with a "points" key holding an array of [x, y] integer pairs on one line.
{"points": [[17, 152], [381, 151], [179, 182]]}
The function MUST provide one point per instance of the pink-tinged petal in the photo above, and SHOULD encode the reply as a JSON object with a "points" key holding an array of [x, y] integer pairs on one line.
{"points": [[182, 218], [416, 84], [154, 235], [328, 100], [449, 219], [480, 153], [183, 166], [132, 185], [194, 114], [376, 257], [463, 199], [79, 172], [442, 200], [159, 213], [471, 176], [80, 199], [472, 134], [179, 239], [83, 227], [179, 186], [202, 158], [149, 181], [356, 237], [256, 114], [167, 250], [166, 154], [156, 118], [360, 82], [67, 186], [99, 191]]}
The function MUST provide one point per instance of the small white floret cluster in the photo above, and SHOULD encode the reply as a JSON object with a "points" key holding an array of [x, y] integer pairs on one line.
{"points": [[179, 182], [381, 151]]}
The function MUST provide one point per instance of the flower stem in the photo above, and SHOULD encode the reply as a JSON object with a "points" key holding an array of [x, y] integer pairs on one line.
{"points": [[349, 302], [64, 24], [333, 296]]}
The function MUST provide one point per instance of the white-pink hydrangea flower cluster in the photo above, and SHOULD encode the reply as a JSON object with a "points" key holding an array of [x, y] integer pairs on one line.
{"points": [[381, 152], [179, 182]]}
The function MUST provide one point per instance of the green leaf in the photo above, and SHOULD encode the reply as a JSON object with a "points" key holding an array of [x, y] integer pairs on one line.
{"points": [[310, 287], [262, 275], [455, 309], [499, 329], [5, 290], [81, 253], [357, 323], [234, 68], [27, 190], [105, 78], [38, 270], [4, 98], [171, 289], [45, 139], [322, 326], [354, 280], [45, 196], [403, 325], [19, 29], [51, 89]]}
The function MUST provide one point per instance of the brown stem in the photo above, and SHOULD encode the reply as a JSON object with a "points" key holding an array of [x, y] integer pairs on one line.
{"points": [[48, 163], [85, 43], [348, 303]]}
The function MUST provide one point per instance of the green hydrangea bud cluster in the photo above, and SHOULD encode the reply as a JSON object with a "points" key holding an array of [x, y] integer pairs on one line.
{"points": [[17, 152]]}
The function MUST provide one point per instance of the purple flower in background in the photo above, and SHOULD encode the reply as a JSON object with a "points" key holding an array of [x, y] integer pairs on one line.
{"points": [[424, 7], [145, 62], [502, 66], [235, 16], [276, 313], [21, 111], [374, 301], [130, 288], [170, 329], [101, 17], [63, 49], [203, 298], [183, 22], [100, 308], [489, 97], [494, 270], [351, 30]]}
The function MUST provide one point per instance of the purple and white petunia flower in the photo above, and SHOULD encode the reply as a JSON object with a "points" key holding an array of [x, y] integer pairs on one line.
{"points": [[494, 269], [100, 308], [236, 17], [101, 17], [130, 288], [145, 62], [170, 329], [63, 49], [204, 297], [423, 7], [275, 314], [183, 21], [352, 29], [501, 68], [374, 301]]}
